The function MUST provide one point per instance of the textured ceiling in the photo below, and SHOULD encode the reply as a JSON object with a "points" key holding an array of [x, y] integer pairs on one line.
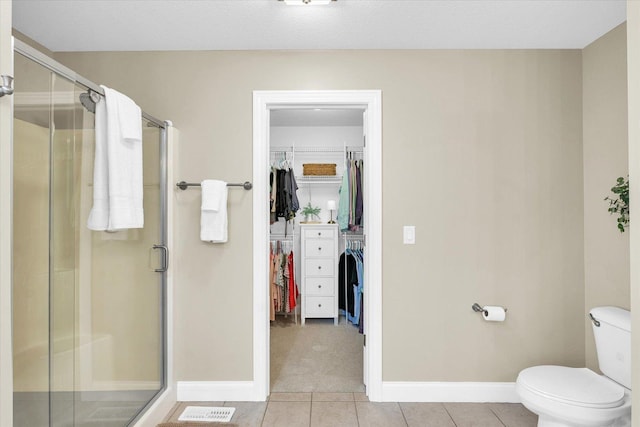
{"points": [[135, 25]]}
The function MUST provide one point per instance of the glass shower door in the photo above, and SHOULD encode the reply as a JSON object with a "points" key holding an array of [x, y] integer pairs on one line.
{"points": [[119, 348], [88, 306], [30, 287]]}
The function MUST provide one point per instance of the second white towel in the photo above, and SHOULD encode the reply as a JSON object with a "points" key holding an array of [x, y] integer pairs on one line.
{"points": [[213, 214]]}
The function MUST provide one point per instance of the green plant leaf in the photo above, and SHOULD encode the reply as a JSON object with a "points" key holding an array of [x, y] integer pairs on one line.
{"points": [[619, 204]]}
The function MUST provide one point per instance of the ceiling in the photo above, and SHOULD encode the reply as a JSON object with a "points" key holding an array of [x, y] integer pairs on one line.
{"points": [[143, 25]]}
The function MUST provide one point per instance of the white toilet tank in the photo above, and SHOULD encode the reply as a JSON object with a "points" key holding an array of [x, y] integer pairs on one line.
{"points": [[613, 343]]}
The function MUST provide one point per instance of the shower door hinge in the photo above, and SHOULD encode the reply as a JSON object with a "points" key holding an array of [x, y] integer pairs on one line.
{"points": [[365, 340]]}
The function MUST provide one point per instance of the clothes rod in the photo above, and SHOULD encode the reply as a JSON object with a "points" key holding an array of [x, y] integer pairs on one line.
{"points": [[183, 185]]}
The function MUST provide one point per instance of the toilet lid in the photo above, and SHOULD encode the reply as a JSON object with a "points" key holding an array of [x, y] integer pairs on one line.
{"points": [[576, 386]]}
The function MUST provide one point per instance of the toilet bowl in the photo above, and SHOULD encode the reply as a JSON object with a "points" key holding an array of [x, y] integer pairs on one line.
{"points": [[573, 397], [578, 397]]}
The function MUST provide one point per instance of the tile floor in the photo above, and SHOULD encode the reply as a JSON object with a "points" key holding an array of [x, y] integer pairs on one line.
{"points": [[354, 409]]}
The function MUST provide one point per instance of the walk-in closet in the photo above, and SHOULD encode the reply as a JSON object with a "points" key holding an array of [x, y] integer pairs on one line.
{"points": [[317, 241]]}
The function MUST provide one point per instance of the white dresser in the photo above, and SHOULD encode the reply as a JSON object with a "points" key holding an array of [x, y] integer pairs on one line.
{"points": [[319, 271]]}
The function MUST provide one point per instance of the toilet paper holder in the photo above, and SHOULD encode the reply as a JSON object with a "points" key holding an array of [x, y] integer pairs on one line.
{"points": [[478, 308]]}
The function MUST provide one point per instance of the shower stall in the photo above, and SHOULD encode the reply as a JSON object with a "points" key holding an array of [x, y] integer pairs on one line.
{"points": [[88, 307]]}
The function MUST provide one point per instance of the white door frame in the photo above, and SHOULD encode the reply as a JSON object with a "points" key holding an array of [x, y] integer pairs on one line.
{"points": [[6, 213], [371, 102]]}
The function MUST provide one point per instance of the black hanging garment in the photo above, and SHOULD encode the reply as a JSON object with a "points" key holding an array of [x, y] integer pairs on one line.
{"points": [[347, 270]]}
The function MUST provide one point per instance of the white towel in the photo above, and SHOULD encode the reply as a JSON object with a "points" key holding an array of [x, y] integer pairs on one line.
{"points": [[99, 214], [213, 213], [118, 191]]}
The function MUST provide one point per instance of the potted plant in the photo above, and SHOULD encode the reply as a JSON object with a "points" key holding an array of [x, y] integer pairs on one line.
{"points": [[619, 203], [310, 212]]}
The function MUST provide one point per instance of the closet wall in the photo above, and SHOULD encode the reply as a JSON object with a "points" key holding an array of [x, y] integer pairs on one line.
{"points": [[283, 138]]}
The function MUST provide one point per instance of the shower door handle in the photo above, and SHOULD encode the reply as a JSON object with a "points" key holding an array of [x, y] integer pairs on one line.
{"points": [[165, 258]]}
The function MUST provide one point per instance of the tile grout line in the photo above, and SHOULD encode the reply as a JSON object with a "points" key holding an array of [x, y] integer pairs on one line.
{"points": [[402, 412], [496, 415], [264, 414], [449, 413]]}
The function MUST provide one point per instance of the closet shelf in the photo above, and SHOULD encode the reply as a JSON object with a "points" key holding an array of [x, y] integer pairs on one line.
{"points": [[319, 179], [318, 149]]}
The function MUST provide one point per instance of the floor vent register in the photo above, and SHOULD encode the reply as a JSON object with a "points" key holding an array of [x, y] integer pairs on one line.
{"points": [[207, 414]]}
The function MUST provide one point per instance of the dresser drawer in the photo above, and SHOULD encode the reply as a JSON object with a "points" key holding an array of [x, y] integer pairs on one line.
{"points": [[318, 233], [319, 247], [320, 306], [319, 267], [320, 286]]}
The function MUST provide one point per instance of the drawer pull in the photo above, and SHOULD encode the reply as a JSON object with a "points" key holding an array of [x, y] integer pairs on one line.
{"points": [[319, 305], [319, 286], [320, 248], [319, 267], [319, 233]]}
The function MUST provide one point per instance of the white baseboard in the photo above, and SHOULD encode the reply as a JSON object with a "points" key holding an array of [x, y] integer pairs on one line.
{"points": [[217, 391], [405, 391], [478, 392]]}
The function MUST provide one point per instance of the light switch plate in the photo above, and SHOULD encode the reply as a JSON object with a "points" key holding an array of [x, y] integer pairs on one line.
{"points": [[409, 234]]}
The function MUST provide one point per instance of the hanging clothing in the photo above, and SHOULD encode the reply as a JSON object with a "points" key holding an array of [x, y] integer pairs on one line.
{"points": [[293, 288], [359, 200], [283, 290], [283, 195], [272, 290], [351, 285], [343, 202], [351, 206], [347, 278], [273, 182]]}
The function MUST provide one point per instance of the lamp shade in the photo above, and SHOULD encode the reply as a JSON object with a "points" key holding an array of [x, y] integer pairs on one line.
{"points": [[331, 205]]}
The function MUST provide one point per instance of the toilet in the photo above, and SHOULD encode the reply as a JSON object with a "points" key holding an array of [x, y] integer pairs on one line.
{"points": [[578, 397]]}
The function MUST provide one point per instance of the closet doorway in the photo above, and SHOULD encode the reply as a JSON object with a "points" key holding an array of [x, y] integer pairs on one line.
{"points": [[292, 105]]}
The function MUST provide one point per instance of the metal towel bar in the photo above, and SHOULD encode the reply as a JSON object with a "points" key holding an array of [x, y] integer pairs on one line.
{"points": [[183, 185]]}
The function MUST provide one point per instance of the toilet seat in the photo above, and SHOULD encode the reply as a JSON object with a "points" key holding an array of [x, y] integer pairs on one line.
{"points": [[572, 386]]}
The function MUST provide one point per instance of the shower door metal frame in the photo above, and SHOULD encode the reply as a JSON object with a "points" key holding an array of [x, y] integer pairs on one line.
{"points": [[56, 67]]}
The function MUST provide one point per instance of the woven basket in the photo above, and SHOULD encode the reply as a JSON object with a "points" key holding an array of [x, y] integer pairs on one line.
{"points": [[319, 169]]}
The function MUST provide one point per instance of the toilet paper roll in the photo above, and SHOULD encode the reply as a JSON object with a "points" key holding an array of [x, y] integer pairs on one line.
{"points": [[494, 313]]}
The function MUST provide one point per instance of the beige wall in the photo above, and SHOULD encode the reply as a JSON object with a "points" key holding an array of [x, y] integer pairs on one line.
{"points": [[481, 151], [605, 146]]}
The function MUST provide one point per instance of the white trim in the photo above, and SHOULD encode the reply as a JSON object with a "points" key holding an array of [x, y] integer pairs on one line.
{"points": [[260, 248], [6, 213], [246, 391], [217, 391], [478, 392], [371, 101]]}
